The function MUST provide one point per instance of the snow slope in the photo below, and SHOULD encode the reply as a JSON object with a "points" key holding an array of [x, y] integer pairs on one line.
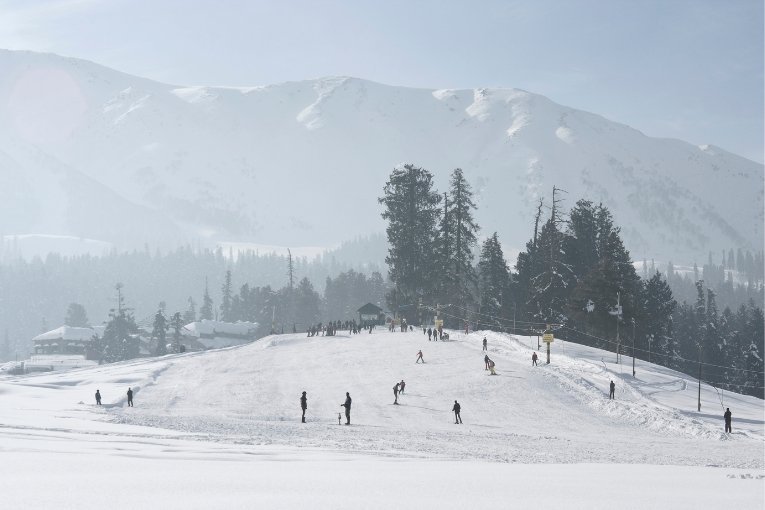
{"points": [[252, 164], [222, 428]]}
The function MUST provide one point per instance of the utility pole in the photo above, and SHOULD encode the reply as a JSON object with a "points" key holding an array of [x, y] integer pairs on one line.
{"points": [[699, 408], [633, 347]]}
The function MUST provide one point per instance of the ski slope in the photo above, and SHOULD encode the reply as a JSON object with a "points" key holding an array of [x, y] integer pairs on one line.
{"points": [[222, 429]]}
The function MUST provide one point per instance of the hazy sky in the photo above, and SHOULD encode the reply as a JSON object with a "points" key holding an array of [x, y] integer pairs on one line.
{"points": [[672, 68]]}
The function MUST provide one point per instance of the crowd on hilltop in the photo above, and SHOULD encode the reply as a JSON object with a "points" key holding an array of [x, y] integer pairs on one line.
{"points": [[332, 327]]}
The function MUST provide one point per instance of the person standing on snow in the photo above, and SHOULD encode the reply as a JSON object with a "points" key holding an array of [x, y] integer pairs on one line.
{"points": [[612, 389], [430, 333], [491, 367], [403, 385], [419, 357], [347, 406], [486, 361], [395, 393], [728, 416], [484, 344], [534, 359], [456, 408], [303, 405], [98, 397], [130, 397]]}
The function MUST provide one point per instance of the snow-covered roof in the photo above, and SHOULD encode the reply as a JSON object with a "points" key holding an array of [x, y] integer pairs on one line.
{"points": [[219, 328], [68, 333]]}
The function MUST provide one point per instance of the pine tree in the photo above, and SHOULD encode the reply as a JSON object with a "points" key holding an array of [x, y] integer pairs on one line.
{"points": [[658, 307], [190, 315], [76, 316], [308, 301], [411, 209], [206, 311], [120, 341], [159, 333], [464, 230], [225, 305], [176, 322], [493, 282]]}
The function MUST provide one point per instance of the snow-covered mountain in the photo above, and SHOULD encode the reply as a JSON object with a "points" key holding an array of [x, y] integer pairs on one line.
{"points": [[90, 152]]}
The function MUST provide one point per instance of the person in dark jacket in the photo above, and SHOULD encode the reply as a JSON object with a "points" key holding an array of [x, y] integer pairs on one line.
{"points": [[612, 389], [303, 405], [486, 361], [430, 334], [484, 344], [534, 359], [456, 409], [98, 397], [419, 358], [395, 393], [403, 385], [347, 406], [130, 397], [728, 417]]}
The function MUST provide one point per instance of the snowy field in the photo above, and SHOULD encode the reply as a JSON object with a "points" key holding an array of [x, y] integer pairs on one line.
{"points": [[222, 429]]}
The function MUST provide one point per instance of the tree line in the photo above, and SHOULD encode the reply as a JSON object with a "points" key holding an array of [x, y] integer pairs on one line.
{"points": [[574, 274]]}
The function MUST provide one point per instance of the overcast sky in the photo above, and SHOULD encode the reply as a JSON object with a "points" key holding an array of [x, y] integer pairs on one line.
{"points": [[672, 68]]}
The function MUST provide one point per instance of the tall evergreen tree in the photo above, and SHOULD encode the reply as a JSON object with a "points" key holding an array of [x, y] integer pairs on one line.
{"points": [[159, 333], [176, 323], [464, 231], [658, 307], [120, 340], [493, 282], [76, 316], [206, 311], [190, 315], [411, 209], [225, 304]]}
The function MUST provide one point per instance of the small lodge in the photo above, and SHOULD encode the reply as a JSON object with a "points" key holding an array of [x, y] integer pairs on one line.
{"points": [[63, 348], [371, 314]]}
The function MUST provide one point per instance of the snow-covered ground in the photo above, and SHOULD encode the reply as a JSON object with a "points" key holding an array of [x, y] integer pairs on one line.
{"points": [[222, 429]]}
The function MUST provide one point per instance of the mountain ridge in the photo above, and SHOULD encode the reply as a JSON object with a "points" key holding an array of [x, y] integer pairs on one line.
{"points": [[250, 164]]}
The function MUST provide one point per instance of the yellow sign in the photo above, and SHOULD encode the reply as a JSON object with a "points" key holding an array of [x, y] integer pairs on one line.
{"points": [[547, 337], [439, 323]]}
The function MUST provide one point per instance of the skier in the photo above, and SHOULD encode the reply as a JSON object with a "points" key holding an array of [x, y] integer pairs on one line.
{"points": [[395, 393], [403, 385], [486, 361], [534, 359], [419, 357], [612, 387], [430, 333], [456, 409], [727, 420], [98, 397], [491, 367], [130, 397], [347, 407], [303, 405], [484, 344]]}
